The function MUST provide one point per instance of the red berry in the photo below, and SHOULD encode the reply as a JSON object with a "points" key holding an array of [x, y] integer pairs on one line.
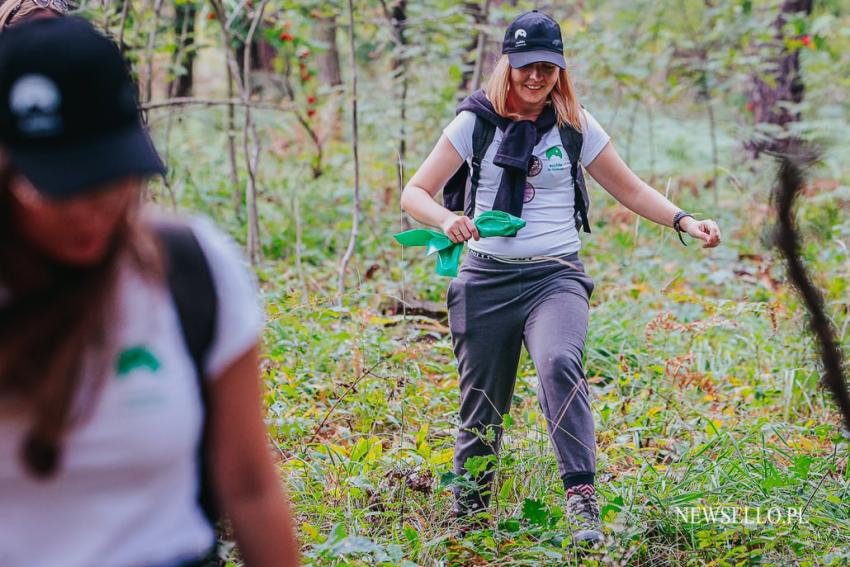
{"points": [[211, 16], [750, 106], [311, 99], [284, 36], [807, 40], [311, 112]]}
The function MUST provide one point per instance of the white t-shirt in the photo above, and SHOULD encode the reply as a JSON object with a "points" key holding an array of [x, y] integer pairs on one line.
{"points": [[125, 494], [549, 204]]}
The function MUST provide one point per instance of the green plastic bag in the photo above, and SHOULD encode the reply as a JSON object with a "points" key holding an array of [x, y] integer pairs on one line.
{"points": [[490, 223]]}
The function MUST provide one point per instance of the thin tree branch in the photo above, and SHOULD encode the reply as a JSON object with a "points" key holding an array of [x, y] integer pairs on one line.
{"points": [[231, 147], [149, 50], [192, 101], [355, 224], [125, 9], [254, 250]]}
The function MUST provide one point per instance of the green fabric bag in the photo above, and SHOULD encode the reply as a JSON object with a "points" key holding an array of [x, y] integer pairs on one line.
{"points": [[490, 223]]}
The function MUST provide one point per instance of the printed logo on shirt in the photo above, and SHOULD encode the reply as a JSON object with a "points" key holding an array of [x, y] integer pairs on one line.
{"points": [[137, 357], [528, 193], [535, 166], [554, 151], [555, 159]]}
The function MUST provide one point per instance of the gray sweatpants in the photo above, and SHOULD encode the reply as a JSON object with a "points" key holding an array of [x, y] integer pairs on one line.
{"points": [[495, 307]]}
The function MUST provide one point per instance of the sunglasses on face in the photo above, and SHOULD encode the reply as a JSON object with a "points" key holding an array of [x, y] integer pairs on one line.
{"points": [[58, 6]]}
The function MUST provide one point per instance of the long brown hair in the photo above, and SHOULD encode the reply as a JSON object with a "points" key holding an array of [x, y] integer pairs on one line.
{"points": [[563, 96], [54, 336]]}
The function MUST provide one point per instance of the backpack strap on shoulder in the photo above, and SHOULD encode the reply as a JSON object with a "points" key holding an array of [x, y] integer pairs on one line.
{"points": [[482, 137], [192, 288], [572, 141]]}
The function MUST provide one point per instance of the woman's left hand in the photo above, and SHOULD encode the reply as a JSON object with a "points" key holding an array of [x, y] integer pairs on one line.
{"points": [[706, 230]]}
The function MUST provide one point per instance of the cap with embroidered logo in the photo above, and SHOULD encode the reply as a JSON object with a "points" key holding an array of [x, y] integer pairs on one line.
{"points": [[534, 37], [69, 117]]}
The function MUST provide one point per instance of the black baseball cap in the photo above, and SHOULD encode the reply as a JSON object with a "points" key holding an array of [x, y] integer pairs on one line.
{"points": [[533, 37], [69, 116]]}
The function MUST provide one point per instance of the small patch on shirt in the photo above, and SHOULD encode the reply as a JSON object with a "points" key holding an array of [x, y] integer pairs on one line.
{"points": [[528, 194]]}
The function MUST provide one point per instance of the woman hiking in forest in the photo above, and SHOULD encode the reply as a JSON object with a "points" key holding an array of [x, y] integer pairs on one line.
{"points": [[523, 137], [130, 404]]}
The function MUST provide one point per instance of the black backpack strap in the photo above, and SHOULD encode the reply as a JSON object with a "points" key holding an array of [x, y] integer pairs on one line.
{"points": [[454, 190], [193, 290], [572, 141], [482, 137]]}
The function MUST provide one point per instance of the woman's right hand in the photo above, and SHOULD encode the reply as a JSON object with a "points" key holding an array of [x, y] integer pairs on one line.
{"points": [[460, 228]]}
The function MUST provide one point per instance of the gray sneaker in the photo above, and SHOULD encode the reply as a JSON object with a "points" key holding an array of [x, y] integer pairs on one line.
{"points": [[584, 515]]}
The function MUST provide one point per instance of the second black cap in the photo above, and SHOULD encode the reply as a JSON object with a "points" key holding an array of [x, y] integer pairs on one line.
{"points": [[69, 116]]}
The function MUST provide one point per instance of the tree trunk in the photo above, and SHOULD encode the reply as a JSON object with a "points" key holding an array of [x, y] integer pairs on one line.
{"points": [[787, 87], [400, 66], [486, 47], [397, 19], [475, 46], [261, 57], [327, 60], [184, 57]]}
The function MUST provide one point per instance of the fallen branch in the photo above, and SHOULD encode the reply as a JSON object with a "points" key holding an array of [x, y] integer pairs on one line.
{"points": [[347, 391]]}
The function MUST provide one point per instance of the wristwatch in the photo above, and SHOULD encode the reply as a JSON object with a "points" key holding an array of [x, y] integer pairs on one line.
{"points": [[678, 219]]}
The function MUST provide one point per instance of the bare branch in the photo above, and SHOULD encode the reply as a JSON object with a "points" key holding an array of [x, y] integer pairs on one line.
{"points": [[355, 213], [254, 249], [192, 101], [149, 50], [125, 9]]}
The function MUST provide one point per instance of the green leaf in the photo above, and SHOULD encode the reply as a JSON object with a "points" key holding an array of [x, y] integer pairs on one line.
{"points": [[535, 512], [478, 465], [801, 467], [360, 449], [506, 489], [510, 525]]}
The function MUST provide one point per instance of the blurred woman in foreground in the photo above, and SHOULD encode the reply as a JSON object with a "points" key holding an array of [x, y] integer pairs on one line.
{"points": [[130, 403]]}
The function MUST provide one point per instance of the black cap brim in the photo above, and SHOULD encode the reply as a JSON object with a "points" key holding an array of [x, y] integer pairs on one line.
{"points": [[524, 58], [67, 172]]}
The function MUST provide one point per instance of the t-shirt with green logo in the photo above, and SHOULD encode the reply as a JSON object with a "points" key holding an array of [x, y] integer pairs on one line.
{"points": [[126, 491], [549, 201]]}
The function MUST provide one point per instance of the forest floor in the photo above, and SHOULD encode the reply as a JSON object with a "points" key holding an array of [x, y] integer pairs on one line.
{"points": [[704, 382]]}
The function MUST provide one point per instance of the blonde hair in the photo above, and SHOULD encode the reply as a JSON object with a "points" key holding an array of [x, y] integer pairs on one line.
{"points": [[562, 98], [15, 11]]}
